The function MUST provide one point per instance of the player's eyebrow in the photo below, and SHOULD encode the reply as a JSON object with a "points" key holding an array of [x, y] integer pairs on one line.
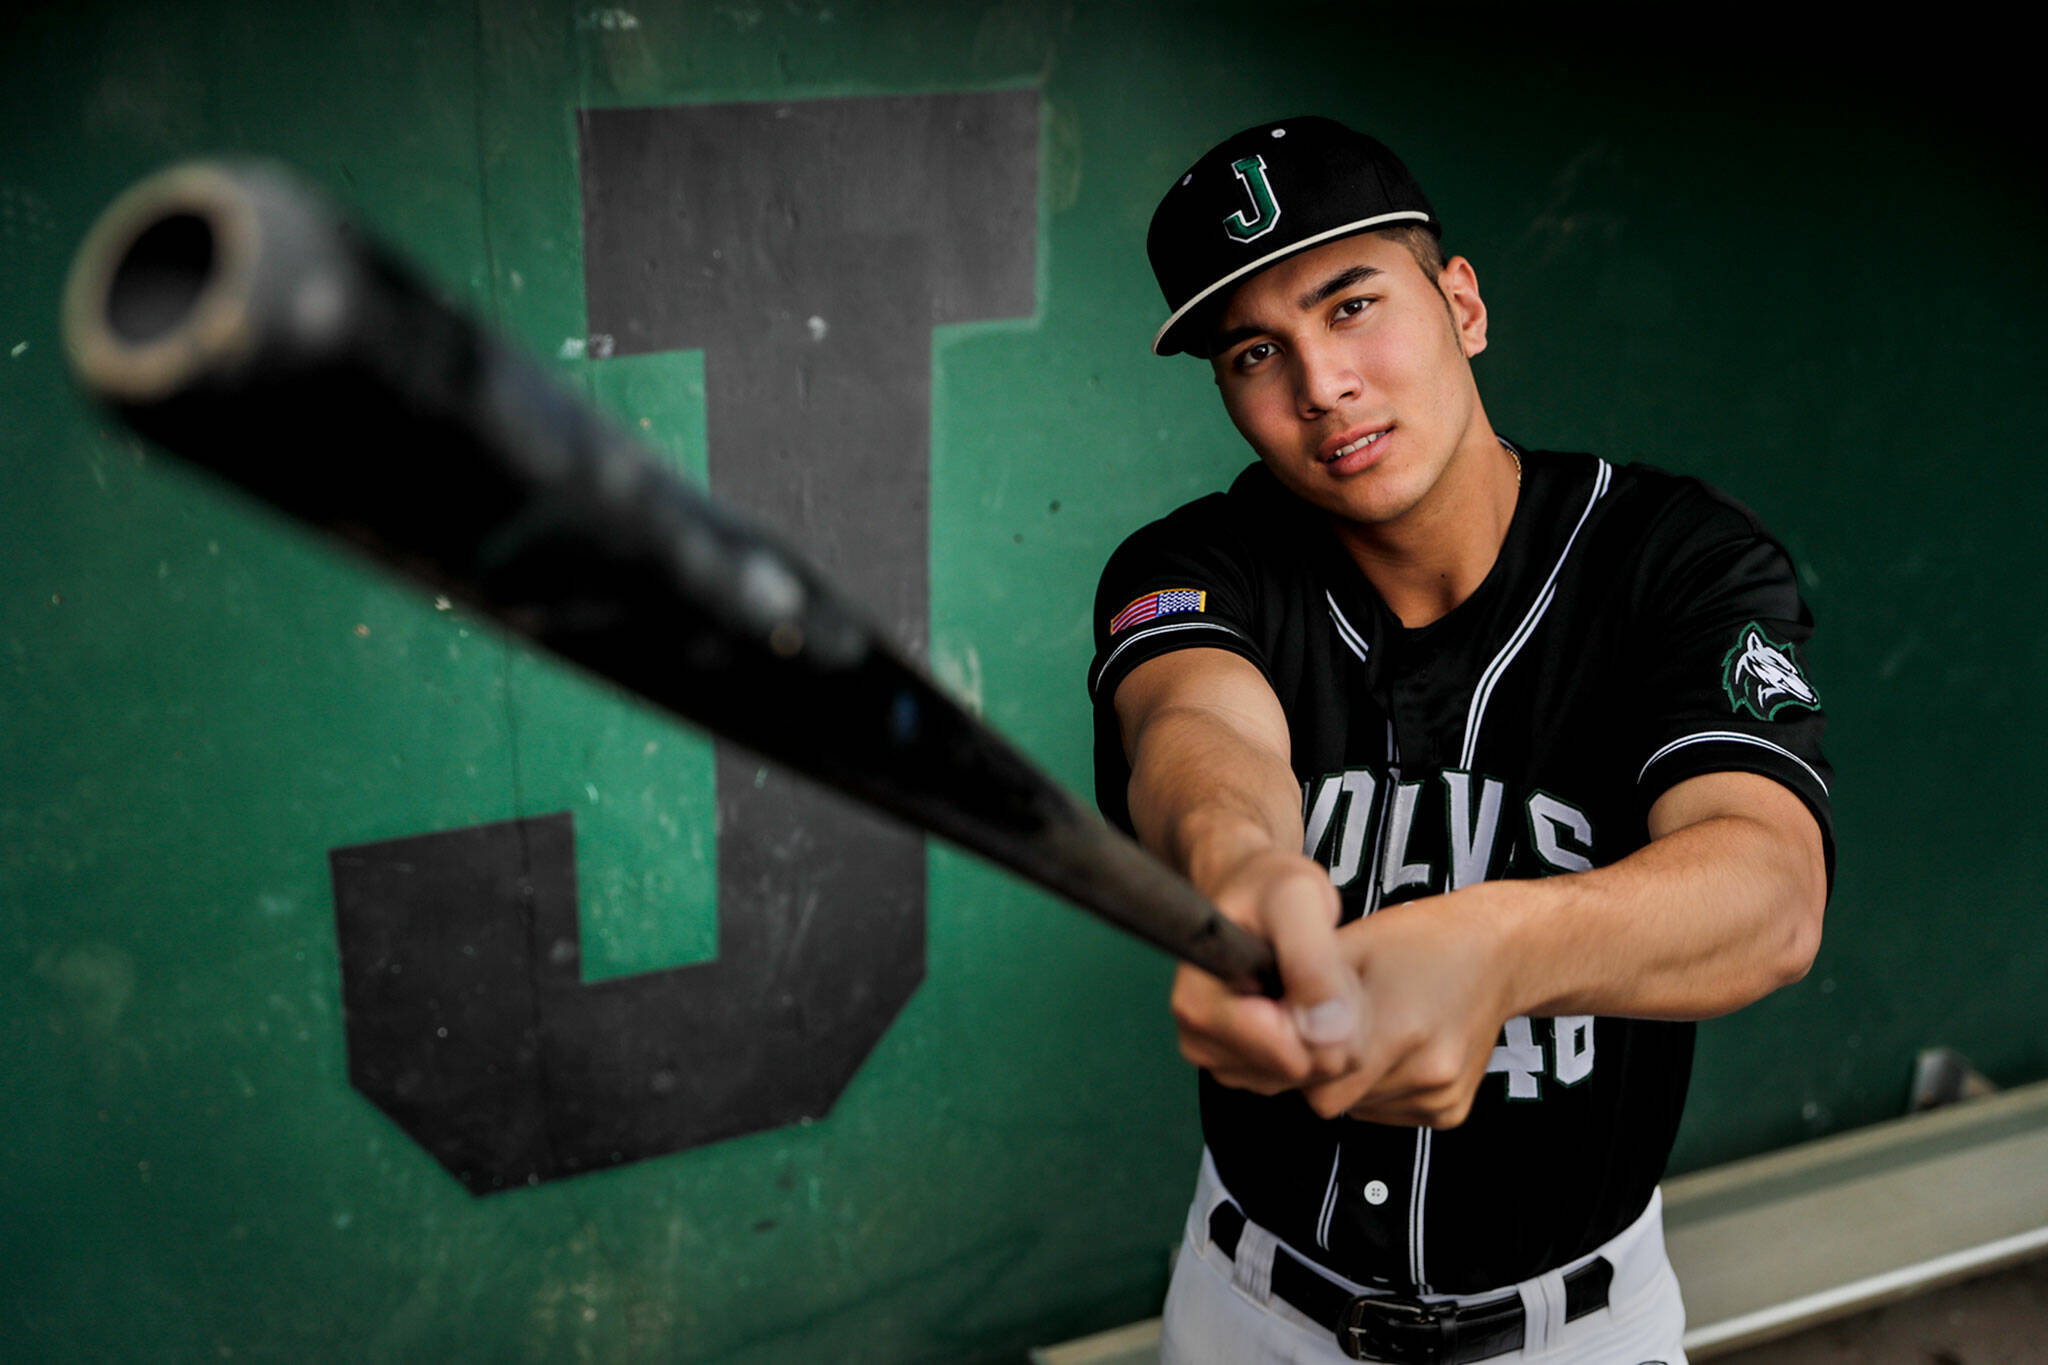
{"points": [[1223, 341], [1336, 284]]}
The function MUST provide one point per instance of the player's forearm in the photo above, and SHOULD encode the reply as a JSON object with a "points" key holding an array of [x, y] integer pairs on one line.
{"points": [[1204, 795], [1702, 921]]}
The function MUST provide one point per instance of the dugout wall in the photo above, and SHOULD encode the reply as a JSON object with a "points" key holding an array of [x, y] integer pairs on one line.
{"points": [[875, 271]]}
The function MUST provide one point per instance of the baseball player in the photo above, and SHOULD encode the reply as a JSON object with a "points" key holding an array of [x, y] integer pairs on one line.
{"points": [[1511, 754]]}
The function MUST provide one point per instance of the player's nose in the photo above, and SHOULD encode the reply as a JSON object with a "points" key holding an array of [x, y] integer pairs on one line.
{"points": [[1325, 379]]}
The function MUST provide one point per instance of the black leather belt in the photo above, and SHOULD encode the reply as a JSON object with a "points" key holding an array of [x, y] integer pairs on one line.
{"points": [[1408, 1331]]}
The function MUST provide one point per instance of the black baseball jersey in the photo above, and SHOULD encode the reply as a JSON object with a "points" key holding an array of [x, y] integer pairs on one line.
{"points": [[1637, 629]]}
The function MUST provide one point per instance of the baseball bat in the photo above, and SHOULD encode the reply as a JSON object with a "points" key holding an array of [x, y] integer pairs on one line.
{"points": [[230, 316]]}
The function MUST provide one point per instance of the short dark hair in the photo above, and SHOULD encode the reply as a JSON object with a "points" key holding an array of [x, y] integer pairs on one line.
{"points": [[1425, 246]]}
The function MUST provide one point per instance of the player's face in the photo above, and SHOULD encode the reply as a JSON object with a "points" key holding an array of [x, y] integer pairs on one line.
{"points": [[1348, 369]]}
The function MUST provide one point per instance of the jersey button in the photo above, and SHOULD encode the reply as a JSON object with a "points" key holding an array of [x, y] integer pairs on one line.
{"points": [[1375, 1192]]}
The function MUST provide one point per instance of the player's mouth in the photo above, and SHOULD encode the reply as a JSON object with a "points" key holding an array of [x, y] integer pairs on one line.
{"points": [[1351, 451]]}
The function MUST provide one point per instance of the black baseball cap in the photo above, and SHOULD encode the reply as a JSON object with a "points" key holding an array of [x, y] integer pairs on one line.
{"points": [[1266, 194]]}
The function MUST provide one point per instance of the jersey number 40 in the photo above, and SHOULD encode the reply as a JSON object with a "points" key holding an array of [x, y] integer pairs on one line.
{"points": [[1520, 1057]]}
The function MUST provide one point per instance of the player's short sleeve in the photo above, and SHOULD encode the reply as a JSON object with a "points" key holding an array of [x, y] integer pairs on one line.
{"points": [[1190, 580], [1186, 581], [1721, 633]]}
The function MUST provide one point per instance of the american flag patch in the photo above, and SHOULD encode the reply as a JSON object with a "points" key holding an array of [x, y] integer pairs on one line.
{"points": [[1159, 604]]}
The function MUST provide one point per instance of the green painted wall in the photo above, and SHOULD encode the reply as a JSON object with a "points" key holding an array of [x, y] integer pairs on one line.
{"points": [[1808, 274]]}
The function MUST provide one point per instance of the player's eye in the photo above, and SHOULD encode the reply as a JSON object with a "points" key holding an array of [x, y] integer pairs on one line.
{"points": [[1251, 355], [1351, 308]]}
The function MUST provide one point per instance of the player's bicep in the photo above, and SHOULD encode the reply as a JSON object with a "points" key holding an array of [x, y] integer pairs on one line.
{"points": [[1212, 686], [1739, 795], [1775, 834]]}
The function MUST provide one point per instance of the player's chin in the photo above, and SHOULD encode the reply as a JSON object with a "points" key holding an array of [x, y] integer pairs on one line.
{"points": [[1378, 506]]}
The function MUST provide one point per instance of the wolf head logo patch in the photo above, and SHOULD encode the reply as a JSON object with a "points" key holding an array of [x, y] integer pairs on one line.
{"points": [[1762, 677]]}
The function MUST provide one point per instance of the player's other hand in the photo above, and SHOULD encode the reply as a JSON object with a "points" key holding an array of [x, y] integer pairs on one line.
{"points": [[1434, 976], [1311, 1035]]}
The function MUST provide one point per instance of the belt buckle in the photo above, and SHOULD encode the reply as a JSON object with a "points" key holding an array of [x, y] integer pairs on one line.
{"points": [[1405, 1331]]}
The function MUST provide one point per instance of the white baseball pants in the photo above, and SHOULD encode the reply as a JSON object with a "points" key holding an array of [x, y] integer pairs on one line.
{"points": [[1220, 1311]]}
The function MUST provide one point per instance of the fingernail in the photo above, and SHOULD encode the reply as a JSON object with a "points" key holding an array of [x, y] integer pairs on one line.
{"points": [[1328, 1022]]}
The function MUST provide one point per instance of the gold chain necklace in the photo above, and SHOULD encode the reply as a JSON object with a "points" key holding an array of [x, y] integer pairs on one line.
{"points": [[1517, 458]]}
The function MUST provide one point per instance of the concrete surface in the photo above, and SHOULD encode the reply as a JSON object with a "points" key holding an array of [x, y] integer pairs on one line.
{"points": [[2000, 1319]]}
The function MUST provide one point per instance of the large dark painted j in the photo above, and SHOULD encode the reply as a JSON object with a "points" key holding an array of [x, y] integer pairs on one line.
{"points": [[808, 249]]}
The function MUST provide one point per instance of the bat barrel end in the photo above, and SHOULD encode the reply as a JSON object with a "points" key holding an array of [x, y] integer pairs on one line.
{"points": [[164, 289]]}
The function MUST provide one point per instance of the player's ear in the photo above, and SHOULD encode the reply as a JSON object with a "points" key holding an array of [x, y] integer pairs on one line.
{"points": [[1459, 284]]}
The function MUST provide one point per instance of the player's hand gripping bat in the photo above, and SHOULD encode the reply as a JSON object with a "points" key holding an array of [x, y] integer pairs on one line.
{"points": [[228, 315]]}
